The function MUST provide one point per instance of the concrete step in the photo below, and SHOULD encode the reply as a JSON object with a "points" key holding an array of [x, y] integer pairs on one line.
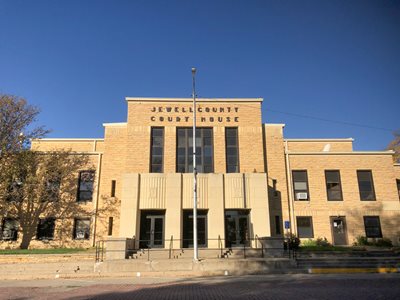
{"points": [[153, 254]]}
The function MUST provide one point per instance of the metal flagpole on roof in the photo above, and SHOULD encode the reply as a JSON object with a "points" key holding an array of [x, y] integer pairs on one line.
{"points": [[195, 246]]}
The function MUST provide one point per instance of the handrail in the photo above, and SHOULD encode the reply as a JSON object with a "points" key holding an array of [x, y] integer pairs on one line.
{"points": [[171, 245]]}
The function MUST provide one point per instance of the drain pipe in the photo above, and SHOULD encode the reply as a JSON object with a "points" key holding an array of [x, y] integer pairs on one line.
{"points": [[290, 189], [97, 198]]}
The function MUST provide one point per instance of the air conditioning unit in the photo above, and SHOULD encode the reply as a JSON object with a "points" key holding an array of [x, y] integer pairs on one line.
{"points": [[301, 196]]}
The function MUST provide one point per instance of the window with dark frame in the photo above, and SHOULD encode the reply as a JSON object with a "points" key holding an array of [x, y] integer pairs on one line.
{"points": [[113, 185], [300, 185], [9, 229], [110, 226], [398, 186], [157, 150], [52, 189], [274, 182], [85, 185], [15, 191], [333, 185], [81, 229], [366, 185], [372, 226], [45, 229], [304, 227], [232, 149], [204, 150]]}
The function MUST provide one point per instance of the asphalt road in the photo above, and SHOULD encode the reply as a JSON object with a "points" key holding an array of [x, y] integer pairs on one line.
{"points": [[299, 286]]}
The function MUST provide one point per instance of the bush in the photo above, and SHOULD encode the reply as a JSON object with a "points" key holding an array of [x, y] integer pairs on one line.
{"points": [[319, 242], [323, 242], [385, 242], [309, 243], [292, 243], [363, 241]]}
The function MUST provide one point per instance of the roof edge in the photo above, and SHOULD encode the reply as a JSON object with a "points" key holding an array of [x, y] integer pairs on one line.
{"points": [[155, 99], [321, 140]]}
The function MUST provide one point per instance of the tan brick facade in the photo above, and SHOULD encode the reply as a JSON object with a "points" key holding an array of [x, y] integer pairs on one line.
{"points": [[263, 186]]}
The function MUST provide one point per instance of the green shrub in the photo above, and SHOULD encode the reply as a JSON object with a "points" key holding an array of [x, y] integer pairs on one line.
{"points": [[292, 242], [309, 243], [323, 242], [361, 241], [385, 242]]}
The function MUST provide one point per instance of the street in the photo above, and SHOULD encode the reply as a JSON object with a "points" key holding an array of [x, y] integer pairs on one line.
{"points": [[354, 286]]}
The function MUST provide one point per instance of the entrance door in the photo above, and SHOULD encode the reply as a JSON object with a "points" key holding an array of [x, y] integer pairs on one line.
{"points": [[188, 228], [236, 228], [152, 231], [339, 231]]}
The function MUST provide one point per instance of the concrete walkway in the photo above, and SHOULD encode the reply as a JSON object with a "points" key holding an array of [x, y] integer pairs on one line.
{"points": [[360, 286]]}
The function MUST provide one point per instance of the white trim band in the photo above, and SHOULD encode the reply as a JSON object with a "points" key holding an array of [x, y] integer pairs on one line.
{"points": [[217, 100]]}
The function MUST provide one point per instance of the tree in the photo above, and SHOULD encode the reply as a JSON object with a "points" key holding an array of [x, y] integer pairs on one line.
{"points": [[395, 146], [38, 185], [17, 118], [34, 184]]}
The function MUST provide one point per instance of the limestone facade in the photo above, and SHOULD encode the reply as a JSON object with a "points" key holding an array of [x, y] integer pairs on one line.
{"points": [[258, 199]]}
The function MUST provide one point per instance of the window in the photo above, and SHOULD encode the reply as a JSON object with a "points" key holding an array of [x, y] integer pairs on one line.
{"points": [[110, 225], [9, 229], [45, 230], [274, 182], [15, 191], [366, 185], [52, 188], [372, 227], [113, 185], [333, 186], [398, 186], [204, 150], [300, 185], [85, 185], [82, 229], [232, 150], [304, 227], [157, 150]]}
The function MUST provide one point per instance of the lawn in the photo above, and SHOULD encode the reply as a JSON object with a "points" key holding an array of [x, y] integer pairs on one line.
{"points": [[45, 251]]}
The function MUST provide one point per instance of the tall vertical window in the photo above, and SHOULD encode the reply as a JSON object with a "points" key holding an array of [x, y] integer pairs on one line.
{"points": [[232, 150], [366, 185], [45, 230], [300, 185], [398, 186], [157, 150], [204, 150], [372, 227], [85, 185], [304, 227], [333, 185]]}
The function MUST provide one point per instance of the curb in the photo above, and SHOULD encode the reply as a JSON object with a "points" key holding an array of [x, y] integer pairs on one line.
{"points": [[352, 270]]}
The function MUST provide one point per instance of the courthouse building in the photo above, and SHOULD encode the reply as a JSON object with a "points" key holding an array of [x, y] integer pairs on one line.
{"points": [[252, 181]]}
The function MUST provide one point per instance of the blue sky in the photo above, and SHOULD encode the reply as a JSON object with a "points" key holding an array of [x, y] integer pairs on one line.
{"points": [[336, 60]]}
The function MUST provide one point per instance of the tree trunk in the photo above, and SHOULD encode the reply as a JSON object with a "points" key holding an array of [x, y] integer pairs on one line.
{"points": [[26, 240]]}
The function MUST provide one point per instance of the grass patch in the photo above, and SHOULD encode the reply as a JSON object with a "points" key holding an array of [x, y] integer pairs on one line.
{"points": [[44, 251]]}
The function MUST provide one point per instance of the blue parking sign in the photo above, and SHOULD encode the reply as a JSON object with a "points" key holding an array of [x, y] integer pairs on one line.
{"points": [[287, 224]]}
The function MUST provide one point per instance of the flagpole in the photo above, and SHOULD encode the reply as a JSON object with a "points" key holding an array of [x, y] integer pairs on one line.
{"points": [[195, 246]]}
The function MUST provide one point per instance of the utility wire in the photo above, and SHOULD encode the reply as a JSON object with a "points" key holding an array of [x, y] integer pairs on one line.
{"points": [[330, 120]]}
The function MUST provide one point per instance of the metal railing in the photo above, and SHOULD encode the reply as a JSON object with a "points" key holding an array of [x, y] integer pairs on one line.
{"points": [[256, 247]]}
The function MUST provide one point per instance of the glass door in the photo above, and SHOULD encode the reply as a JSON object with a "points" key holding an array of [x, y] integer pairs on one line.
{"points": [[151, 230], [236, 228]]}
